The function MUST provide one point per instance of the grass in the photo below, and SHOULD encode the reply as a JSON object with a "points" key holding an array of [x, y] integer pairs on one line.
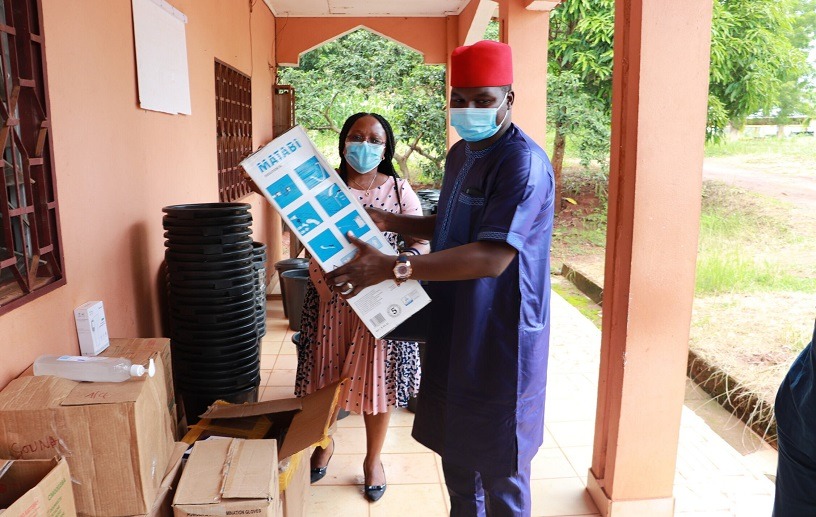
{"points": [[580, 228], [737, 246], [723, 269], [585, 238], [756, 282], [755, 292], [746, 244], [756, 268], [740, 240], [803, 147], [783, 156], [577, 299]]}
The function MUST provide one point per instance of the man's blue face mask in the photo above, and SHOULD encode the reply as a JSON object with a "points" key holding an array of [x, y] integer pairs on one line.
{"points": [[363, 156], [474, 124]]}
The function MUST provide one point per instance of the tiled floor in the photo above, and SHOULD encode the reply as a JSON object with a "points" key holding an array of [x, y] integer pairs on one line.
{"points": [[713, 479]]}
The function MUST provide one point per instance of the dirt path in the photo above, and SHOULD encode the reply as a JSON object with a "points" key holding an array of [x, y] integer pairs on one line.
{"points": [[797, 189]]}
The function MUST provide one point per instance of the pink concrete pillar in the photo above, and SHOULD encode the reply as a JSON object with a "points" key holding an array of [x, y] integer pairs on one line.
{"points": [[659, 100], [527, 32], [453, 40]]}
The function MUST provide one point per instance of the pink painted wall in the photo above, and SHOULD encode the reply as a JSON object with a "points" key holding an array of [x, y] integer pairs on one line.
{"points": [[117, 165], [299, 35]]}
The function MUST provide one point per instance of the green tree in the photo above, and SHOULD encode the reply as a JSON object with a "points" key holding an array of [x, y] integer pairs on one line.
{"points": [[758, 62], [579, 84], [758, 58], [580, 115], [797, 95], [492, 31], [364, 72], [419, 116]]}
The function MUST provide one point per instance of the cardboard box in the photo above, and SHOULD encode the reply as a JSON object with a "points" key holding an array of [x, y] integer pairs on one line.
{"points": [[92, 329], [116, 436], [294, 479], [296, 423], [163, 505], [159, 348], [36, 488], [229, 476]]}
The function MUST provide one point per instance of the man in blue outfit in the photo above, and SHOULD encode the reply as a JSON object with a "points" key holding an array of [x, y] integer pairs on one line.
{"points": [[796, 429], [481, 400]]}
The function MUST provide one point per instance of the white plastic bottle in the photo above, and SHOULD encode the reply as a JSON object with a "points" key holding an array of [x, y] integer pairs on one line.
{"points": [[95, 369]]}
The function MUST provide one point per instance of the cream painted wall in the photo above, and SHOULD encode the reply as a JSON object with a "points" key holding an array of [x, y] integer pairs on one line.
{"points": [[117, 165]]}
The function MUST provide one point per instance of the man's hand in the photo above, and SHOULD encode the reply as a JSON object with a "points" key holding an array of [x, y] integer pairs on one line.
{"points": [[368, 268], [378, 216]]}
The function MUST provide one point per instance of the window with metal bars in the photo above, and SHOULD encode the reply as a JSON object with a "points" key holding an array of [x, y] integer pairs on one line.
{"points": [[30, 256], [233, 112]]}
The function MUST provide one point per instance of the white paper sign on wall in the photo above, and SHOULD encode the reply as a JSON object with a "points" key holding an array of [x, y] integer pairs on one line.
{"points": [[161, 56]]}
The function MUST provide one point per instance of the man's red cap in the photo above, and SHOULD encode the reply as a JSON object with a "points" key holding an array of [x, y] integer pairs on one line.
{"points": [[485, 63]]}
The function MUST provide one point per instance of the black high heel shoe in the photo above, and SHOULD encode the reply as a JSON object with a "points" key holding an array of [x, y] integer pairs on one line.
{"points": [[319, 473], [374, 492]]}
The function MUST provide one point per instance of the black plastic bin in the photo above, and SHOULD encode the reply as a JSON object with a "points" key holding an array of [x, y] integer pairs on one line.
{"points": [[284, 265], [295, 281], [196, 401]]}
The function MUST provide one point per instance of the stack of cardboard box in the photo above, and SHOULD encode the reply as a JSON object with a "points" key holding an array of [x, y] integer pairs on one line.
{"points": [[289, 426], [117, 437], [114, 444]]}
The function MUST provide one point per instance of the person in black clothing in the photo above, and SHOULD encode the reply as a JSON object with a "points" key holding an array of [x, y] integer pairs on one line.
{"points": [[796, 428]]}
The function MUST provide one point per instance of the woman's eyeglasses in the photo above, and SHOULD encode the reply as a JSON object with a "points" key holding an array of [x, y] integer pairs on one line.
{"points": [[360, 138]]}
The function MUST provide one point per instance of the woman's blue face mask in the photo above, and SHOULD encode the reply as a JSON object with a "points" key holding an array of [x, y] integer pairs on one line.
{"points": [[363, 156], [474, 124]]}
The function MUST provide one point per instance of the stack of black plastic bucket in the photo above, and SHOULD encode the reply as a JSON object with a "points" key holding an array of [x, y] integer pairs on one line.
{"points": [[429, 199], [212, 288]]}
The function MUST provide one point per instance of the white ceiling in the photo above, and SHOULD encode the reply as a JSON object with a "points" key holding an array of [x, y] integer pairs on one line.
{"points": [[365, 8]]}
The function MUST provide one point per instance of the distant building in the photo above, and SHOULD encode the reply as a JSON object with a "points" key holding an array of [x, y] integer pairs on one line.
{"points": [[759, 126]]}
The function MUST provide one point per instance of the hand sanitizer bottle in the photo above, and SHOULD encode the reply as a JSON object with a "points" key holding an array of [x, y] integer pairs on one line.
{"points": [[94, 369]]}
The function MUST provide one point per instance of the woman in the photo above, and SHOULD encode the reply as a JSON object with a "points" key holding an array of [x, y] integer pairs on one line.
{"points": [[334, 343]]}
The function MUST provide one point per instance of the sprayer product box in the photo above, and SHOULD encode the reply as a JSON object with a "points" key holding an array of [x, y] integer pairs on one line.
{"points": [[92, 328]]}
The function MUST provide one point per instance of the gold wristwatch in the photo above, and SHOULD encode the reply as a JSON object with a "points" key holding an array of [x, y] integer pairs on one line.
{"points": [[402, 269]]}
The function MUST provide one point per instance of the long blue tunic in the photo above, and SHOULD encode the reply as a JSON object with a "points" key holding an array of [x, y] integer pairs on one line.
{"points": [[481, 398]]}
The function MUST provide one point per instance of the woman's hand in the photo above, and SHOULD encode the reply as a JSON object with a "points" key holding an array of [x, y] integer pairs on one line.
{"points": [[379, 217], [368, 268]]}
